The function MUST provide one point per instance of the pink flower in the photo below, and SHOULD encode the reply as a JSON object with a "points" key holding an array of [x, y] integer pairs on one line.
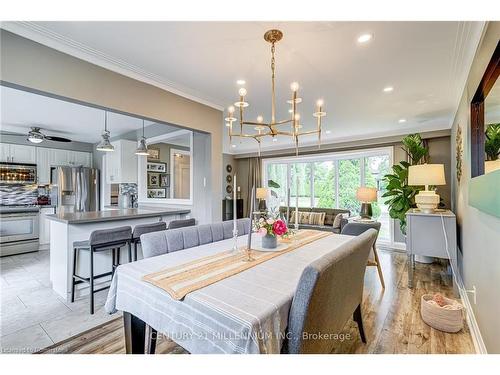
{"points": [[279, 227], [262, 232]]}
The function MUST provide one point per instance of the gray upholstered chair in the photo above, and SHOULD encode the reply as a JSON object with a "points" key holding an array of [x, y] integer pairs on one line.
{"points": [[168, 241], [355, 229], [141, 229], [100, 240], [329, 292], [174, 224]]}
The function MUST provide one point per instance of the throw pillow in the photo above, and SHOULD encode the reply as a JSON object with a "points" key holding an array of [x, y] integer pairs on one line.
{"points": [[317, 218], [337, 220]]}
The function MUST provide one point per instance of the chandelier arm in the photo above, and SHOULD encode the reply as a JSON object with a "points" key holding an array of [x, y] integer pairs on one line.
{"points": [[307, 132], [273, 97], [256, 123], [283, 122]]}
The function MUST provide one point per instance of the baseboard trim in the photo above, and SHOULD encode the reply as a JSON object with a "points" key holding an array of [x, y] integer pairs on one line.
{"points": [[471, 321]]}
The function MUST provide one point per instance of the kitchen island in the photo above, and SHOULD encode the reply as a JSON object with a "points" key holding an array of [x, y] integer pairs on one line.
{"points": [[65, 228]]}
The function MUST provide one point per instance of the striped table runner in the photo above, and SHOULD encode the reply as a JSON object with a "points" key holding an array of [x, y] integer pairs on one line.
{"points": [[188, 277]]}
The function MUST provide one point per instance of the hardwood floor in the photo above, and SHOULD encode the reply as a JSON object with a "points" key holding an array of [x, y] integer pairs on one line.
{"points": [[391, 318]]}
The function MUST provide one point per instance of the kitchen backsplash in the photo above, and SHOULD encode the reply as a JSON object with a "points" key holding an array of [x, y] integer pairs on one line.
{"points": [[13, 194]]}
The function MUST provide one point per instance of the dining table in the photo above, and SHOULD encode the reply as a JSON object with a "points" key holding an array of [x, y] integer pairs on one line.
{"points": [[245, 313]]}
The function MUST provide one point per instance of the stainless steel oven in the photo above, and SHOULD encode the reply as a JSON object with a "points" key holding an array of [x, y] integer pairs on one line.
{"points": [[19, 230]]}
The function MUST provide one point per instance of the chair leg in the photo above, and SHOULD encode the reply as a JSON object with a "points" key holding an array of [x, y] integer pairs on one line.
{"points": [[91, 279], [73, 272], [379, 267], [359, 320]]}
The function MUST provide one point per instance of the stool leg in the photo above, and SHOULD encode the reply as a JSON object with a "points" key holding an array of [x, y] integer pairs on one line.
{"points": [[118, 251], [379, 267], [91, 278], [129, 252], [73, 272], [135, 250]]}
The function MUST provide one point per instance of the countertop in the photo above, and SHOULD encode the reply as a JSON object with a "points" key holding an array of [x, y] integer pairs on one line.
{"points": [[113, 215]]}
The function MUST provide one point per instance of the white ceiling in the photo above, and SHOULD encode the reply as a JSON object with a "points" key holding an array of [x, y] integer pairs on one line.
{"points": [[426, 62], [21, 110]]}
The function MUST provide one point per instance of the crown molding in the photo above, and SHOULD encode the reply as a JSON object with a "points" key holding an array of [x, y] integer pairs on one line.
{"points": [[49, 38]]}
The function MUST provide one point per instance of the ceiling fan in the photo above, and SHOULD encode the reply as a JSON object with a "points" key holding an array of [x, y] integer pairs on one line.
{"points": [[36, 136]]}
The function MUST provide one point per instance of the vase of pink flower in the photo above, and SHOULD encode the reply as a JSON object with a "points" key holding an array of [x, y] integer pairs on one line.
{"points": [[270, 228]]}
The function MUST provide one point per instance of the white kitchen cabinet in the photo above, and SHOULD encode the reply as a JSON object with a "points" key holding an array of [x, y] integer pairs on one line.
{"points": [[18, 153], [4, 152], [43, 165], [121, 164], [80, 158], [44, 225], [58, 157]]}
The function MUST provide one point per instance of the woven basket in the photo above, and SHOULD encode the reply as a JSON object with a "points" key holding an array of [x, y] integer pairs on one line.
{"points": [[440, 318]]}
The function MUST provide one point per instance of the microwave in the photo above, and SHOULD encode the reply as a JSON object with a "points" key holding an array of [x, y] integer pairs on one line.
{"points": [[18, 173]]}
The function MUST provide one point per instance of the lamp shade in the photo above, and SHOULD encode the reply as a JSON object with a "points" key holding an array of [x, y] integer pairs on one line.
{"points": [[366, 194], [261, 193], [426, 174]]}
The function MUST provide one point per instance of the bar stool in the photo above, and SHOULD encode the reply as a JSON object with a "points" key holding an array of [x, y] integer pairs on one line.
{"points": [[145, 228], [100, 240]]}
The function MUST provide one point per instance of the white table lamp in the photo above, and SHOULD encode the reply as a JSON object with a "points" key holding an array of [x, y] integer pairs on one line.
{"points": [[424, 175]]}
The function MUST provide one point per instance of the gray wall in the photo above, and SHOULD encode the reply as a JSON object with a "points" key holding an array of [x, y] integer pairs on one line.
{"points": [[479, 233]]}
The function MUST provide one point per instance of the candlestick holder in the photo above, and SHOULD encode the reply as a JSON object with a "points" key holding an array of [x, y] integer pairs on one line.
{"points": [[235, 240]]}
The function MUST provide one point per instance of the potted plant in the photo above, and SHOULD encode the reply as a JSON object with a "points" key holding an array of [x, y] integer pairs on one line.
{"points": [[492, 148], [401, 196], [270, 228]]}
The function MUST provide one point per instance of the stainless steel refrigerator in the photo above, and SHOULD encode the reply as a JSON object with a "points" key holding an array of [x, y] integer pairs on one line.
{"points": [[75, 189]]}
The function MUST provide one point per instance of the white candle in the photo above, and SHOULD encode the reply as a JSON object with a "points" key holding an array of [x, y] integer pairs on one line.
{"points": [[297, 202], [249, 244], [235, 226]]}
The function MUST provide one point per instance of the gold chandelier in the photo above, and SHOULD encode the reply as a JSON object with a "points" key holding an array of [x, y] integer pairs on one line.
{"points": [[273, 128]]}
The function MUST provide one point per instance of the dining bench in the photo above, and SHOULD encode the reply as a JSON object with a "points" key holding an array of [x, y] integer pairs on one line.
{"points": [[170, 240]]}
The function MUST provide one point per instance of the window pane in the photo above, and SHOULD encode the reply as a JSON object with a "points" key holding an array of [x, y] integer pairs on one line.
{"points": [[277, 173], [324, 184], [303, 172], [349, 180], [375, 169]]}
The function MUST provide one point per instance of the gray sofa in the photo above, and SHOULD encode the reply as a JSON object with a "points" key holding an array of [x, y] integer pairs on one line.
{"points": [[330, 214], [170, 240]]}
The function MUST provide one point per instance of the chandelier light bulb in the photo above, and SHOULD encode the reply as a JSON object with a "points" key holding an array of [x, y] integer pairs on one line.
{"points": [[260, 119], [230, 109], [297, 116], [294, 86], [320, 103], [242, 91]]}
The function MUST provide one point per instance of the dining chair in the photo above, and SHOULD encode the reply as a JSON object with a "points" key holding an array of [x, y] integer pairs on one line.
{"points": [[355, 229], [174, 224], [329, 292]]}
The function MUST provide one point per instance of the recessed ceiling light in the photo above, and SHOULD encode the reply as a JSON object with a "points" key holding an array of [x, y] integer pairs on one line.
{"points": [[328, 131], [388, 89], [401, 120], [240, 82], [364, 38]]}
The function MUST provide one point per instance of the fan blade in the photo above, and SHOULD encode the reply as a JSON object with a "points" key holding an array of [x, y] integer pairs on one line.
{"points": [[56, 139]]}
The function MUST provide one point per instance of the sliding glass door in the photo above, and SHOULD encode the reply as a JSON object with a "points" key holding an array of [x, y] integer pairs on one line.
{"points": [[331, 180]]}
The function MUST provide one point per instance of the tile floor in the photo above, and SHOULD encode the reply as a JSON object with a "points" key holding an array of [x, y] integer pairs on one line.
{"points": [[32, 315]]}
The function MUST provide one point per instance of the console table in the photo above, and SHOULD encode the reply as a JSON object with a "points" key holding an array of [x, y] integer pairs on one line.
{"points": [[432, 235]]}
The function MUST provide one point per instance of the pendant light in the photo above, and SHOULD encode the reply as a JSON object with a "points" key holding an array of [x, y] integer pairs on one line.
{"points": [[142, 149], [105, 145]]}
